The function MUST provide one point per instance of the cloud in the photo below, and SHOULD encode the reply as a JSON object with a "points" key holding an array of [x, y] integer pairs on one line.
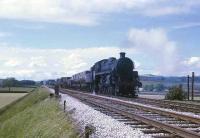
{"points": [[192, 61], [191, 64], [4, 34], [89, 12], [154, 46], [187, 25], [45, 10], [30, 26], [37, 64], [167, 7], [12, 63]]}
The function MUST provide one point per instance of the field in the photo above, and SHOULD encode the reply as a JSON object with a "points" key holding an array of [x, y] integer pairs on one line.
{"points": [[36, 115], [162, 96], [16, 89], [7, 98], [152, 96], [170, 84]]}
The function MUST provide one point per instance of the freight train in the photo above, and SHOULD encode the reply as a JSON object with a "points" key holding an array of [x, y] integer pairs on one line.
{"points": [[109, 76]]}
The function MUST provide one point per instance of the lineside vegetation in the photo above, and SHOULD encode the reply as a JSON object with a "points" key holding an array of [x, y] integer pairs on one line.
{"points": [[176, 93], [35, 115]]}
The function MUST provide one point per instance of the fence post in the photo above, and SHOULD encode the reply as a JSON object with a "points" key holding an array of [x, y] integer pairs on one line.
{"points": [[64, 105], [89, 130]]}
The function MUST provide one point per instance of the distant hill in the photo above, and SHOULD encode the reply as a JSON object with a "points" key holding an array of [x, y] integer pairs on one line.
{"points": [[165, 79], [162, 83]]}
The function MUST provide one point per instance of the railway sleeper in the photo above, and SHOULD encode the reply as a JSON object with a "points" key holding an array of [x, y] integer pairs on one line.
{"points": [[153, 131], [155, 116], [124, 120], [165, 136], [133, 123], [166, 119], [176, 122], [196, 130], [118, 117], [142, 126], [187, 126], [149, 114]]}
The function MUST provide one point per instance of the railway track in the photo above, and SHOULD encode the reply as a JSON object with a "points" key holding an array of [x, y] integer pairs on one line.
{"points": [[174, 105], [152, 121], [193, 107], [182, 106]]}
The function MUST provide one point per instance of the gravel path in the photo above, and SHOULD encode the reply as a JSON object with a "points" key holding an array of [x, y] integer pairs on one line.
{"points": [[105, 126]]}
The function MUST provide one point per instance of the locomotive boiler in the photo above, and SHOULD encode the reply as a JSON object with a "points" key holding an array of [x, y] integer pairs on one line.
{"points": [[115, 77]]}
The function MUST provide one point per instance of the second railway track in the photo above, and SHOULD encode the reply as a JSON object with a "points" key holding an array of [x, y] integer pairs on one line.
{"points": [[175, 105], [152, 121], [183, 106]]}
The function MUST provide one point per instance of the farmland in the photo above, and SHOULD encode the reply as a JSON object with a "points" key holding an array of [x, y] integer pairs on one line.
{"points": [[16, 89], [7, 98]]}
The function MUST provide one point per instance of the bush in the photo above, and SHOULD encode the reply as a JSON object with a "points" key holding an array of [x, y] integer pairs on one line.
{"points": [[159, 87], [149, 87], [175, 93]]}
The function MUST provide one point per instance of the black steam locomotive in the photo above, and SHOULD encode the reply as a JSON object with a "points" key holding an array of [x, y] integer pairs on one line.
{"points": [[109, 76]]}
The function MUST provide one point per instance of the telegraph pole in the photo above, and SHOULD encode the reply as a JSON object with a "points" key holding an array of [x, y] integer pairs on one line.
{"points": [[192, 86], [188, 87]]}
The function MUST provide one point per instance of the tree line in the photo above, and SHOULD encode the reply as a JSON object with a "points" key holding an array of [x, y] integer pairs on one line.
{"points": [[12, 82], [154, 87]]}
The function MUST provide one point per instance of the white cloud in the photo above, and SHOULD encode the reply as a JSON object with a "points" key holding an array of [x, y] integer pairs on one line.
{"points": [[12, 62], [151, 50], [88, 12], [30, 26], [5, 34], [187, 25], [37, 64], [191, 64], [155, 48], [167, 7], [192, 61], [160, 55]]}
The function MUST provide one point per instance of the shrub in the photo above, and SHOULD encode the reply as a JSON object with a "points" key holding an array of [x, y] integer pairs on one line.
{"points": [[149, 87], [176, 93]]}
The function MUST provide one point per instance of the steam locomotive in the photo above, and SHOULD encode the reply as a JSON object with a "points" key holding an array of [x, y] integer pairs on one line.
{"points": [[109, 76]]}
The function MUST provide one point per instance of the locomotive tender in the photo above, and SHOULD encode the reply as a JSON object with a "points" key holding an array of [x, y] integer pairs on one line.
{"points": [[109, 76]]}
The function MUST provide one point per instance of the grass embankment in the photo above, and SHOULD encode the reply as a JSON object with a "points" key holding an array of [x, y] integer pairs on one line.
{"points": [[35, 116]]}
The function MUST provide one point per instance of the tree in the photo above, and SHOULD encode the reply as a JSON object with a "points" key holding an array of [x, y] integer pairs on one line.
{"points": [[27, 82], [159, 87], [149, 87], [10, 82], [176, 93]]}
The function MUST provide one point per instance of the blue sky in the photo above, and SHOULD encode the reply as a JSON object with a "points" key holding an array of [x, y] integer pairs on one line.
{"points": [[53, 38]]}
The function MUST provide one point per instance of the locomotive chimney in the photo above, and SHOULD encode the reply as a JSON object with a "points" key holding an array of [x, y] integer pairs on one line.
{"points": [[122, 54]]}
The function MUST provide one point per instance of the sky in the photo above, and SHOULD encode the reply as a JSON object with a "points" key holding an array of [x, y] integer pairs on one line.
{"points": [[47, 39]]}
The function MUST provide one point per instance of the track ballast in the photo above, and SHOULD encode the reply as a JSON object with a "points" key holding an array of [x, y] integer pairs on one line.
{"points": [[152, 121]]}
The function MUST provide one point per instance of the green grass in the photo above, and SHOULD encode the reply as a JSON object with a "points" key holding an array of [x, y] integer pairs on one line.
{"points": [[7, 98], [36, 116]]}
